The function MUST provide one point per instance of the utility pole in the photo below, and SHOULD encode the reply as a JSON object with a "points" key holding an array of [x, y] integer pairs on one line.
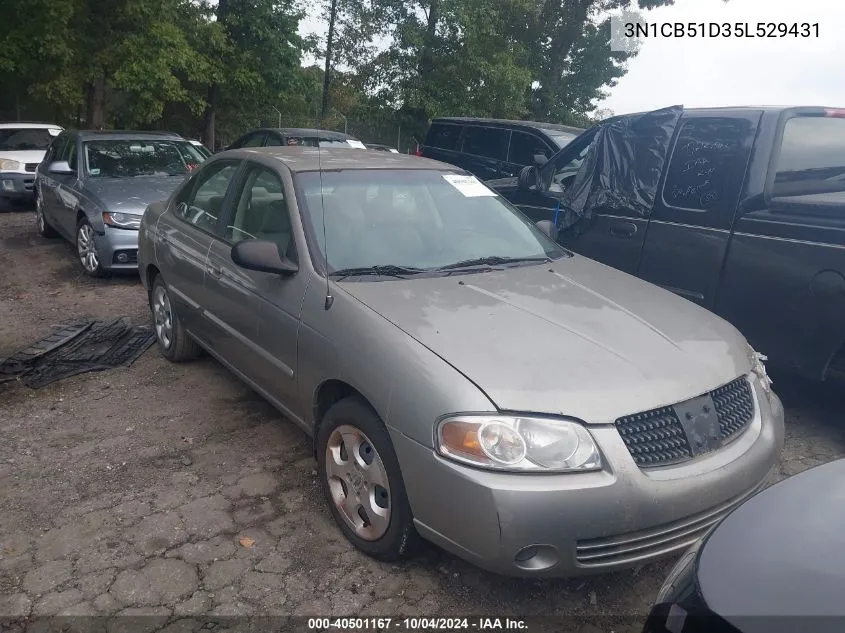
{"points": [[279, 113], [329, 44], [344, 122]]}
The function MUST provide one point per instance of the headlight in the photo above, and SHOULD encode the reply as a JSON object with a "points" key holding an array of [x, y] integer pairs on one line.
{"points": [[513, 443], [6, 164], [758, 368], [122, 220]]}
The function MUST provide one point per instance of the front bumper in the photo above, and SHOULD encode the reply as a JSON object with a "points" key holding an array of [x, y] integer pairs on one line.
{"points": [[17, 186], [114, 245], [559, 525]]}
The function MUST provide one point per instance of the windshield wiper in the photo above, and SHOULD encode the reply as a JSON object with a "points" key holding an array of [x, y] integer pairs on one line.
{"points": [[388, 270], [492, 260]]}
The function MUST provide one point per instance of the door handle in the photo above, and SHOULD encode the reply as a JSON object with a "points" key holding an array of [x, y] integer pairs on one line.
{"points": [[215, 272], [623, 229]]}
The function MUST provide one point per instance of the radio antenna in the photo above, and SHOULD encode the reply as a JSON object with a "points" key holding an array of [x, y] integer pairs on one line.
{"points": [[329, 298]]}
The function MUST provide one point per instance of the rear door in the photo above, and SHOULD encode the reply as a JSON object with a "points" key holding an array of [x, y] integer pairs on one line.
{"points": [[256, 313], [524, 146], [185, 233], [484, 149], [784, 278], [47, 182], [442, 143], [690, 228]]}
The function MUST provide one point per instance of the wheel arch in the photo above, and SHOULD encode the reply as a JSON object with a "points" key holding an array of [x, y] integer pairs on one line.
{"points": [[326, 394]]}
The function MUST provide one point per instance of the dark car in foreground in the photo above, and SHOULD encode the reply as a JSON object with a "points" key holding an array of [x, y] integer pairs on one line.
{"points": [[494, 148], [93, 186], [776, 564], [740, 210], [296, 137], [465, 379]]}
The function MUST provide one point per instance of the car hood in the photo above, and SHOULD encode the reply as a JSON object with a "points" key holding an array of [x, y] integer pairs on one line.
{"points": [[24, 155], [132, 195], [573, 337]]}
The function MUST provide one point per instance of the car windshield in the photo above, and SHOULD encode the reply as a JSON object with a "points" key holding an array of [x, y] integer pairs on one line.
{"points": [[562, 140], [18, 139], [423, 220], [311, 141], [126, 158]]}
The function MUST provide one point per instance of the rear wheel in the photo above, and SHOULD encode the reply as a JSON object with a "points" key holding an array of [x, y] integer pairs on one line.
{"points": [[173, 341], [86, 247], [362, 482], [44, 229]]}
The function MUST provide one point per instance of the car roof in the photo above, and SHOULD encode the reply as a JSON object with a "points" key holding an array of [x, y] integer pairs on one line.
{"points": [[303, 131], [29, 125], [537, 125], [301, 159], [122, 135]]}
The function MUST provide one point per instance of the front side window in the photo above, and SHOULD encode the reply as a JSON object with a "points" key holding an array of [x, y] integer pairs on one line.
{"points": [[261, 211], [489, 142], [422, 219], [202, 203], [812, 156], [113, 158], [19, 139], [524, 147], [566, 168]]}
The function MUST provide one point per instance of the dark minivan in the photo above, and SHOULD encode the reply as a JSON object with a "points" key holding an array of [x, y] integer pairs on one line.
{"points": [[296, 137], [743, 213], [494, 148]]}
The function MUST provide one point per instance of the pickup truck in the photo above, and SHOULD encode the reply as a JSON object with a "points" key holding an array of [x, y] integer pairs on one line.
{"points": [[741, 210]]}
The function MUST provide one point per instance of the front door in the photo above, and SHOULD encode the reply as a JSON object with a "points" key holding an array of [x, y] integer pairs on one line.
{"points": [[259, 311], [483, 150], [690, 225], [63, 212]]}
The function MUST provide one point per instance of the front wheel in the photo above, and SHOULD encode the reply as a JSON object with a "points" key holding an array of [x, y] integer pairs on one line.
{"points": [[44, 229], [362, 482], [86, 247]]}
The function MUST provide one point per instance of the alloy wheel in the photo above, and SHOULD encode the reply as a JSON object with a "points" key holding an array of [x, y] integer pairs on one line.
{"points": [[163, 316], [358, 482], [87, 248]]}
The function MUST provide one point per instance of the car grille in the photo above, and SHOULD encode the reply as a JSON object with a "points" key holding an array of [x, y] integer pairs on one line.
{"points": [[657, 438], [31, 166], [639, 547]]}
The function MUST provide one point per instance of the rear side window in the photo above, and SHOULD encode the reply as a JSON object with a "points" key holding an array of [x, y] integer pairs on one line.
{"points": [[708, 163], [812, 157], [253, 140], [443, 135], [489, 142], [524, 147]]}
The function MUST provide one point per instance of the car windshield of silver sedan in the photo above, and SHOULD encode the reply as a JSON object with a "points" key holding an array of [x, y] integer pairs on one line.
{"points": [[387, 223], [129, 158]]}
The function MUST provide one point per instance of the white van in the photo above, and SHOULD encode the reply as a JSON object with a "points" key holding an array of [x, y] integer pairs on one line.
{"points": [[22, 148]]}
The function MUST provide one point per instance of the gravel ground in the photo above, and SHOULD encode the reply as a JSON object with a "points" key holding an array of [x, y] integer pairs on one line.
{"points": [[173, 490]]}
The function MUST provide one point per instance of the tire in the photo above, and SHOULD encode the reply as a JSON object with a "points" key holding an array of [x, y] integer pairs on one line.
{"points": [[351, 421], [44, 228], [86, 250], [175, 343]]}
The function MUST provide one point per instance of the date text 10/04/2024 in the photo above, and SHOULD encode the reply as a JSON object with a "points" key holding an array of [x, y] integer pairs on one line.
{"points": [[721, 29], [401, 625]]}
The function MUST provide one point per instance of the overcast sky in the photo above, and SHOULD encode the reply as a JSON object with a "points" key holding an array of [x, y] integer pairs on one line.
{"points": [[732, 71]]}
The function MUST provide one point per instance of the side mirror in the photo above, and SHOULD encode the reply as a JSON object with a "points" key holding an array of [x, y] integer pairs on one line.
{"points": [[540, 160], [60, 167], [263, 256], [548, 227], [528, 177]]}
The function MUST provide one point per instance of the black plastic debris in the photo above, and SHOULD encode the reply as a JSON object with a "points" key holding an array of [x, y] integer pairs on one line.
{"points": [[622, 168], [77, 348]]}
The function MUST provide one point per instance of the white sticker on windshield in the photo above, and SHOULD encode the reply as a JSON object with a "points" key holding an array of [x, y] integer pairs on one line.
{"points": [[470, 186], [356, 144], [53, 131], [94, 171]]}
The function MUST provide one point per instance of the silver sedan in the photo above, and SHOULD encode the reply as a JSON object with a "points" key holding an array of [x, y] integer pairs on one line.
{"points": [[465, 379], [92, 188]]}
